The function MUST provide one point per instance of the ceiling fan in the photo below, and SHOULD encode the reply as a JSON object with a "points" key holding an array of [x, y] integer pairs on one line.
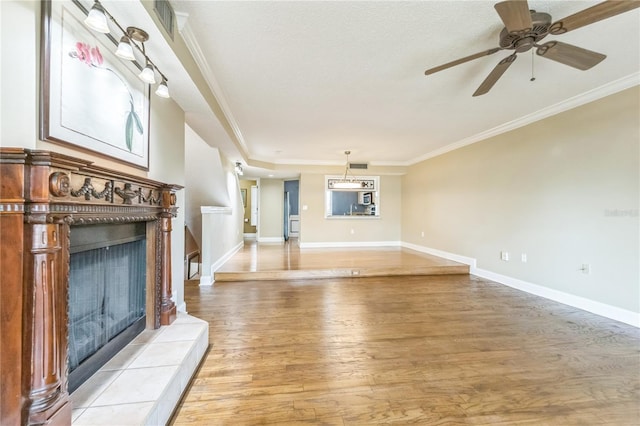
{"points": [[525, 28]]}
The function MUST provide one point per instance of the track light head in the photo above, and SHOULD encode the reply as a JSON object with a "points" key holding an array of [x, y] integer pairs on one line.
{"points": [[97, 19], [148, 75], [163, 89], [125, 51]]}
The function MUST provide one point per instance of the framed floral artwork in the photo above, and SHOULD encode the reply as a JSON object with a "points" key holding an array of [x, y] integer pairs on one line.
{"points": [[90, 99]]}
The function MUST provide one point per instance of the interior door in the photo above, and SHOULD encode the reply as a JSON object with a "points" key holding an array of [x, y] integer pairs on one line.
{"points": [[254, 205], [287, 210]]}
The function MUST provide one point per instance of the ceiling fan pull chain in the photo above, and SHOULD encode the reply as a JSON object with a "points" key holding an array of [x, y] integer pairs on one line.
{"points": [[532, 76]]}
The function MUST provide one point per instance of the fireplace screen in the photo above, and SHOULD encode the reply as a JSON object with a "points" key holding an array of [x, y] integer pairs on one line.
{"points": [[107, 281]]}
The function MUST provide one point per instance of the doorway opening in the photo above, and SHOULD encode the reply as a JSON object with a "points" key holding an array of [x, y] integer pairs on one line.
{"points": [[250, 202], [291, 209]]}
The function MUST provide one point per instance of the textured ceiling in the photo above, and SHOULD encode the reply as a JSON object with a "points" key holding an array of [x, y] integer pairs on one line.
{"points": [[303, 81]]}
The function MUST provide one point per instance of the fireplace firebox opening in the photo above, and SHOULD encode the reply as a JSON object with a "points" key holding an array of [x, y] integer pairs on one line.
{"points": [[107, 294]]}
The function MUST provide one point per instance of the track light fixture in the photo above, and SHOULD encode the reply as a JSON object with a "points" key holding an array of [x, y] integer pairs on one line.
{"points": [[239, 170], [98, 20]]}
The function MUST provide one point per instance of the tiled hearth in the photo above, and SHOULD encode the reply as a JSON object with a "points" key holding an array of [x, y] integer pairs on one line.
{"points": [[143, 383]]}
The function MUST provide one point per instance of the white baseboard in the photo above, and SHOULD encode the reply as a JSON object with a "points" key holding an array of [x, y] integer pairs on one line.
{"points": [[249, 236], [208, 279], [445, 255], [598, 308], [345, 244], [271, 239]]}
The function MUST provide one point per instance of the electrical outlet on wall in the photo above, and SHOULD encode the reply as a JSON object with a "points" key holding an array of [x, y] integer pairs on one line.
{"points": [[523, 257], [504, 255], [586, 268]]}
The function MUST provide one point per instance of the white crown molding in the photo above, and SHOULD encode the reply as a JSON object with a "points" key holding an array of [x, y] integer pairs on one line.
{"points": [[181, 19], [217, 90], [584, 98], [576, 101], [192, 44]]}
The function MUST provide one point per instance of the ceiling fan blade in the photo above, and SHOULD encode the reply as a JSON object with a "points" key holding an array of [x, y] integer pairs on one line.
{"points": [[462, 60], [571, 55], [494, 75], [593, 14], [515, 15]]}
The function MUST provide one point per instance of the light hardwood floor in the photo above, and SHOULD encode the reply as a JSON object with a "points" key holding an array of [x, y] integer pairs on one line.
{"points": [[287, 261], [452, 349]]}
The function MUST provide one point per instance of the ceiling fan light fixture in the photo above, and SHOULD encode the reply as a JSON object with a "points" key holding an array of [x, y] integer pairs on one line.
{"points": [[525, 28]]}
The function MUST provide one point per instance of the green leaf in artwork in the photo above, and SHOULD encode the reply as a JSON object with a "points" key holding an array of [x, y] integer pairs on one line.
{"points": [[129, 132], [136, 119], [137, 122]]}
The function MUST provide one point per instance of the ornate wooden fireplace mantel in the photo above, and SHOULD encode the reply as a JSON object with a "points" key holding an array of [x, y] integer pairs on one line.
{"points": [[42, 194]]}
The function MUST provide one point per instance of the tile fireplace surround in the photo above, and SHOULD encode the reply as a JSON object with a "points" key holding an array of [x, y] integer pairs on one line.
{"points": [[43, 195], [143, 383]]}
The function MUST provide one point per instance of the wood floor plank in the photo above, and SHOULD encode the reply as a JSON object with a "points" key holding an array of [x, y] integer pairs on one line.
{"points": [[288, 262], [407, 350]]}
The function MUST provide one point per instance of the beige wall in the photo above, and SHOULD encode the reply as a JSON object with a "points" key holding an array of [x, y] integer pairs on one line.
{"points": [[564, 191], [166, 164], [315, 229], [271, 224], [19, 36], [211, 182], [205, 181]]}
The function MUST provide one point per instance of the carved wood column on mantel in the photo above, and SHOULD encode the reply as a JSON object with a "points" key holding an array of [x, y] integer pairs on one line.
{"points": [[167, 306], [41, 195]]}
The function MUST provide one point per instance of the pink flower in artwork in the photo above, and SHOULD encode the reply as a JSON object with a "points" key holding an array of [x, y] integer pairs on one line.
{"points": [[88, 55], [83, 52], [96, 55]]}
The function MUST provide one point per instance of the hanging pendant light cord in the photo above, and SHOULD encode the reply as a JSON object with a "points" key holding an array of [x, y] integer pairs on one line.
{"points": [[346, 166], [532, 76]]}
